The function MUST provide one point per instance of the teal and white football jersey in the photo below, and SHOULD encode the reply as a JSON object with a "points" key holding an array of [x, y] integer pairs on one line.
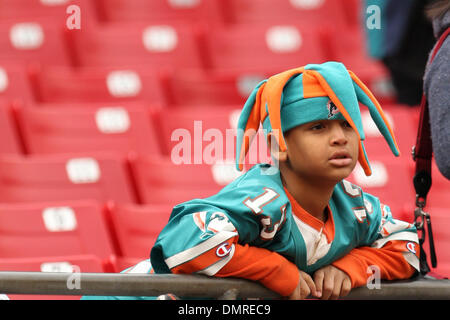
{"points": [[255, 210]]}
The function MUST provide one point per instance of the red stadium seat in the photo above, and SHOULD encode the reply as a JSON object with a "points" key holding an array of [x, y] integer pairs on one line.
{"points": [[402, 121], [63, 85], [194, 122], [265, 47], [349, 47], [33, 41], [57, 12], [64, 177], [10, 140], [161, 181], [152, 194], [207, 88], [312, 12], [439, 196], [45, 229], [136, 228], [74, 128], [205, 135], [353, 10], [161, 11], [14, 82], [67, 264], [139, 45], [161, 171]]}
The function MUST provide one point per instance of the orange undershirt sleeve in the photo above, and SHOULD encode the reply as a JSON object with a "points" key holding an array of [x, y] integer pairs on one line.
{"points": [[389, 260], [269, 268]]}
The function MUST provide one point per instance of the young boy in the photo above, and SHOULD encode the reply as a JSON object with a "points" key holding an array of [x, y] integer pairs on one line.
{"points": [[303, 229]]}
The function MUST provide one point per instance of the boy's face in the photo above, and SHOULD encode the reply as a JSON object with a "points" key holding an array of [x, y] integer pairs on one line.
{"points": [[324, 149]]}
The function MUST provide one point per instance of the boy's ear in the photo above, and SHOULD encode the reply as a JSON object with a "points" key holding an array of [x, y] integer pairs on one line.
{"points": [[274, 147]]}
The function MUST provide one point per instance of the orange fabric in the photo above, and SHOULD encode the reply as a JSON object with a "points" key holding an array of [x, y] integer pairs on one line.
{"points": [[272, 95], [251, 127], [248, 262], [311, 87], [270, 268], [389, 259]]}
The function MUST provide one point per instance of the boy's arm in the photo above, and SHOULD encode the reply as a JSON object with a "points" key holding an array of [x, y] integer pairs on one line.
{"points": [[253, 263], [209, 245], [389, 260], [390, 247]]}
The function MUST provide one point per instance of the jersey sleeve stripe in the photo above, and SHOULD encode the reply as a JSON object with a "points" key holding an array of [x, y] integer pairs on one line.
{"points": [[194, 252], [403, 235], [202, 261], [214, 268]]}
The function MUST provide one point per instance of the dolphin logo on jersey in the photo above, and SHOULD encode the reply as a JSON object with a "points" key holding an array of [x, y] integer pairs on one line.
{"points": [[217, 222]]}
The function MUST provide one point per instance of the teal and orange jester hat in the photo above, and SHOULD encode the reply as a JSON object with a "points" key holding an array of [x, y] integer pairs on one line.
{"points": [[314, 92]]}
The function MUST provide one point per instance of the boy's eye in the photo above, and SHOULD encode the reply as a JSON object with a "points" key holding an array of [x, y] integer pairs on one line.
{"points": [[317, 126], [346, 124]]}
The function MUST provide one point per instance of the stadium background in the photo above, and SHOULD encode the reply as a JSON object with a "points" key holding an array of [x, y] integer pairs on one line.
{"points": [[91, 92]]}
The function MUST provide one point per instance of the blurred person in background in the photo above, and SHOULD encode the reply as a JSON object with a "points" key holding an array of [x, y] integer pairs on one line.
{"points": [[402, 43], [437, 87]]}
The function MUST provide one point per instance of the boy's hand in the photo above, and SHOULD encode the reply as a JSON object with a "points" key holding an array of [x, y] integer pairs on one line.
{"points": [[304, 288], [332, 283]]}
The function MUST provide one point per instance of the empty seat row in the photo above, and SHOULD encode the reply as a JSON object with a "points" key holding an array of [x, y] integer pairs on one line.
{"points": [[116, 85], [183, 142], [107, 235], [143, 128], [122, 128], [106, 177], [71, 128], [167, 155], [343, 12], [76, 236], [243, 50], [169, 46], [171, 180], [234, 67], [263, 47]]}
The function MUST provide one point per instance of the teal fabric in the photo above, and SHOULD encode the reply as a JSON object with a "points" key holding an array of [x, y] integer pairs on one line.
{"points": [[339, 80], [311, 108]]}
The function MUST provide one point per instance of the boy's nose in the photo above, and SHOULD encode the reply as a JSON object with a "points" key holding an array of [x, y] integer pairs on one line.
{"points": [[338, 135]]}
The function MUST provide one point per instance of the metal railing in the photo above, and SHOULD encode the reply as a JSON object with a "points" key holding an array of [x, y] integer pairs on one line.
{"points": [[117, 284]]}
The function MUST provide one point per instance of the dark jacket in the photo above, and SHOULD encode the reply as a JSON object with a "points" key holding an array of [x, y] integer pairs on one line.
{"points": [[437, 91]]}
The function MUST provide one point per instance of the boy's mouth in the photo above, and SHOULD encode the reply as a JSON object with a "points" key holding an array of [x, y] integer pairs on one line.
{"points": [[340, 159]]}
